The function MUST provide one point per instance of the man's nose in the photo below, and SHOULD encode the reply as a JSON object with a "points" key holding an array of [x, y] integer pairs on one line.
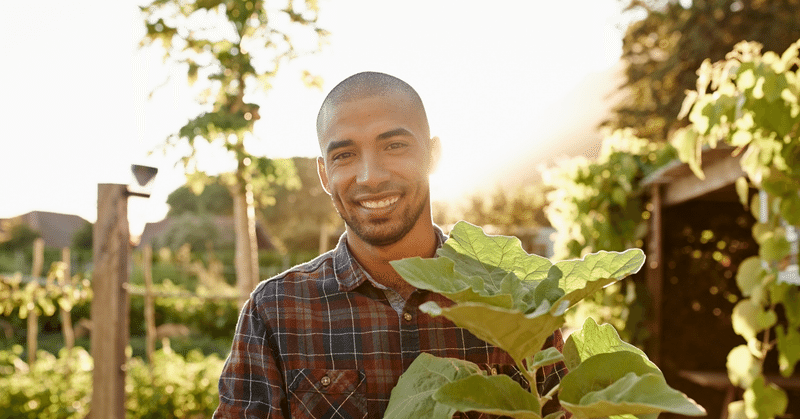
{"points": [[373, 171]]}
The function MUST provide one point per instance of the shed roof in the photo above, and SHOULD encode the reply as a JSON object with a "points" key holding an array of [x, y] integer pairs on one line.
{"points": [[720, 167]]}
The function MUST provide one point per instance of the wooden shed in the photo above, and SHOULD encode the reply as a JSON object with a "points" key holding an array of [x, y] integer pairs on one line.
{"points": [[699, 233]]}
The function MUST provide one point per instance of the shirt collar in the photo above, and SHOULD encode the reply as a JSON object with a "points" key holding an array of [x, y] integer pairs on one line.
{"points": [[349, 273]]}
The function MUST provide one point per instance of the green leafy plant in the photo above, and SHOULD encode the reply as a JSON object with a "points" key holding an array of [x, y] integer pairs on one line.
{"points": [[58, 291], [750, 101], [515, 301], [60, 387], [600, 205]]}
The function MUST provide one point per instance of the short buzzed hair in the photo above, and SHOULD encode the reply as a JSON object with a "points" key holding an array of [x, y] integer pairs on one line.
{"points": [[368, 84]]}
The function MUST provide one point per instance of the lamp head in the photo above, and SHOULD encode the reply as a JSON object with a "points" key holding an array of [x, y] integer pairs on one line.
{"points": [[144, 176]]}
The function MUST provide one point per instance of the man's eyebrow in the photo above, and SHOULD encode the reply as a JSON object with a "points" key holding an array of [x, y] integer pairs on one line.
{"points": [[333, 145], [394, 133]]}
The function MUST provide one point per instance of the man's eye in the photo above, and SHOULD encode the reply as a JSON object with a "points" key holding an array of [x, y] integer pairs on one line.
{"points": [[342, 155], [394, 146]]}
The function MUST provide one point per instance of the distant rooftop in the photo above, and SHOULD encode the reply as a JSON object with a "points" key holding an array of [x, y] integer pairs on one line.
{"points": [[56, 229]]}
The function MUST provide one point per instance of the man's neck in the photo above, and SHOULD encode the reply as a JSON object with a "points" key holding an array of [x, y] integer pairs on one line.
{"points": [[420, 241]]}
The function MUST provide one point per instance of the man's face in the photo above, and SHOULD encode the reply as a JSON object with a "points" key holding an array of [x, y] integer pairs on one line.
{"points": [[375, 163]]}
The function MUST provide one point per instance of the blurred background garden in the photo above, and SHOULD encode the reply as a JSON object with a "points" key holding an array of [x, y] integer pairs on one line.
{"points": [[671, 126]]}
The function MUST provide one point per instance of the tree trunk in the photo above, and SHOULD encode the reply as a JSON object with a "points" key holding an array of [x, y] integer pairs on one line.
{"points": [[246, 243]]}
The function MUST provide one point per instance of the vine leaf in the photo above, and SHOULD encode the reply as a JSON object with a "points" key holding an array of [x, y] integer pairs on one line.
{"points": [[788, 355], [412, 397], [619, 383], [749, 275], [764, 400], [749, 318], [495, 395], [742, 366]]}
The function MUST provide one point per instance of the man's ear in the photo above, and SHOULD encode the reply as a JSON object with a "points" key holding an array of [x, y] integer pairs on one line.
{"points": [[323, 174], [436, 154]]}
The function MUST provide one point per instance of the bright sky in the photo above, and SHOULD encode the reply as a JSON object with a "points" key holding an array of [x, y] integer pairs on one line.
{"points": [[75, 109]]}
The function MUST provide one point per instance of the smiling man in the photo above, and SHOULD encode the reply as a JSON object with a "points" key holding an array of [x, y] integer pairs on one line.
{"points": [[331, 337]]}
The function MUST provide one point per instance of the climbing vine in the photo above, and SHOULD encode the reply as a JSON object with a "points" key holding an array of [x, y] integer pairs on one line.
{"points": [[750, 101], [599, 205]]}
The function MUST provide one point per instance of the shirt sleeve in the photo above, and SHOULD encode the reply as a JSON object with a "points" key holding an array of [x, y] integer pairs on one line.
{"points": [[251, 385]]}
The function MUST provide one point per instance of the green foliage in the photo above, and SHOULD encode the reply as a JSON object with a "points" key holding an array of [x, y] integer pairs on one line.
{"points": [[600, 205], [236, 61], [515, 301], [51, 388], [18, 236], [198, 231], [299, 212], [60, 387], [234, 48], [420, 382], [58, 291], [213, 318], [508, 210], [82, 239], [750, 102], [662, 51], [176, 387], [215, 199]]}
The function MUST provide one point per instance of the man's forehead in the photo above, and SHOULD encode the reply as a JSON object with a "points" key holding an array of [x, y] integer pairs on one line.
{"points": [[364, 108]]}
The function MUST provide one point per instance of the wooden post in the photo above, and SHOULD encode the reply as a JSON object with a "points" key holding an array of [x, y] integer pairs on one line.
{"points": [[655, 272], [66, 317], [110, 304], [33, 316], [149, 310]]}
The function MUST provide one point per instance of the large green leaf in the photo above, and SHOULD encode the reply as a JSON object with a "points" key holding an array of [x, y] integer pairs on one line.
{"points": [[620, 383], [521, 335], [491, 257], [586, 276], [439, 275], [546, 357], [496, 395], [594, 339], [412, 397]]}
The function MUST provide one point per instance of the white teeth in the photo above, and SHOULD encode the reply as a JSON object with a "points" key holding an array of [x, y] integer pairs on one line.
{"points": [[379, 204]]}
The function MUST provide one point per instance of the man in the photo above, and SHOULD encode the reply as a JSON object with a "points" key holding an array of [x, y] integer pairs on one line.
{"points": [[330, 338]]}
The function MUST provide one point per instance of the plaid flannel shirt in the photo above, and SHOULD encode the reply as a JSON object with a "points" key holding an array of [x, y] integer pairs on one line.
{"points": [[323, 340]]}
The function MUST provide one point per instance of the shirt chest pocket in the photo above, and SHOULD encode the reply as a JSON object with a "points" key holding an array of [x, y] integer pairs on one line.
{"points": [[321, 393]]}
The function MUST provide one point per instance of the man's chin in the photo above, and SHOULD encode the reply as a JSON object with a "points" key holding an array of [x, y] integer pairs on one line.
{"points": [[381, 235]]}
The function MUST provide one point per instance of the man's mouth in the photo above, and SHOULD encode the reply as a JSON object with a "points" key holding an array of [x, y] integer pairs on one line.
{"points": [[378, 204]]}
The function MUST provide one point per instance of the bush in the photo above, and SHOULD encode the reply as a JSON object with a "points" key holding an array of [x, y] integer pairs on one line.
{"points": [[213, 318], [61, 387], [178, 387], [51, 388]]}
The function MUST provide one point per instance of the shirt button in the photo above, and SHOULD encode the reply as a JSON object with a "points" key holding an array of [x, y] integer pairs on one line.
{"points": [[325, 380], [408, 317], [494, 371]]}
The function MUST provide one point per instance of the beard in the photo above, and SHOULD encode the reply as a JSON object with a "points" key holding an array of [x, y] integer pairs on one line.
{"points": [[385, 231]]}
